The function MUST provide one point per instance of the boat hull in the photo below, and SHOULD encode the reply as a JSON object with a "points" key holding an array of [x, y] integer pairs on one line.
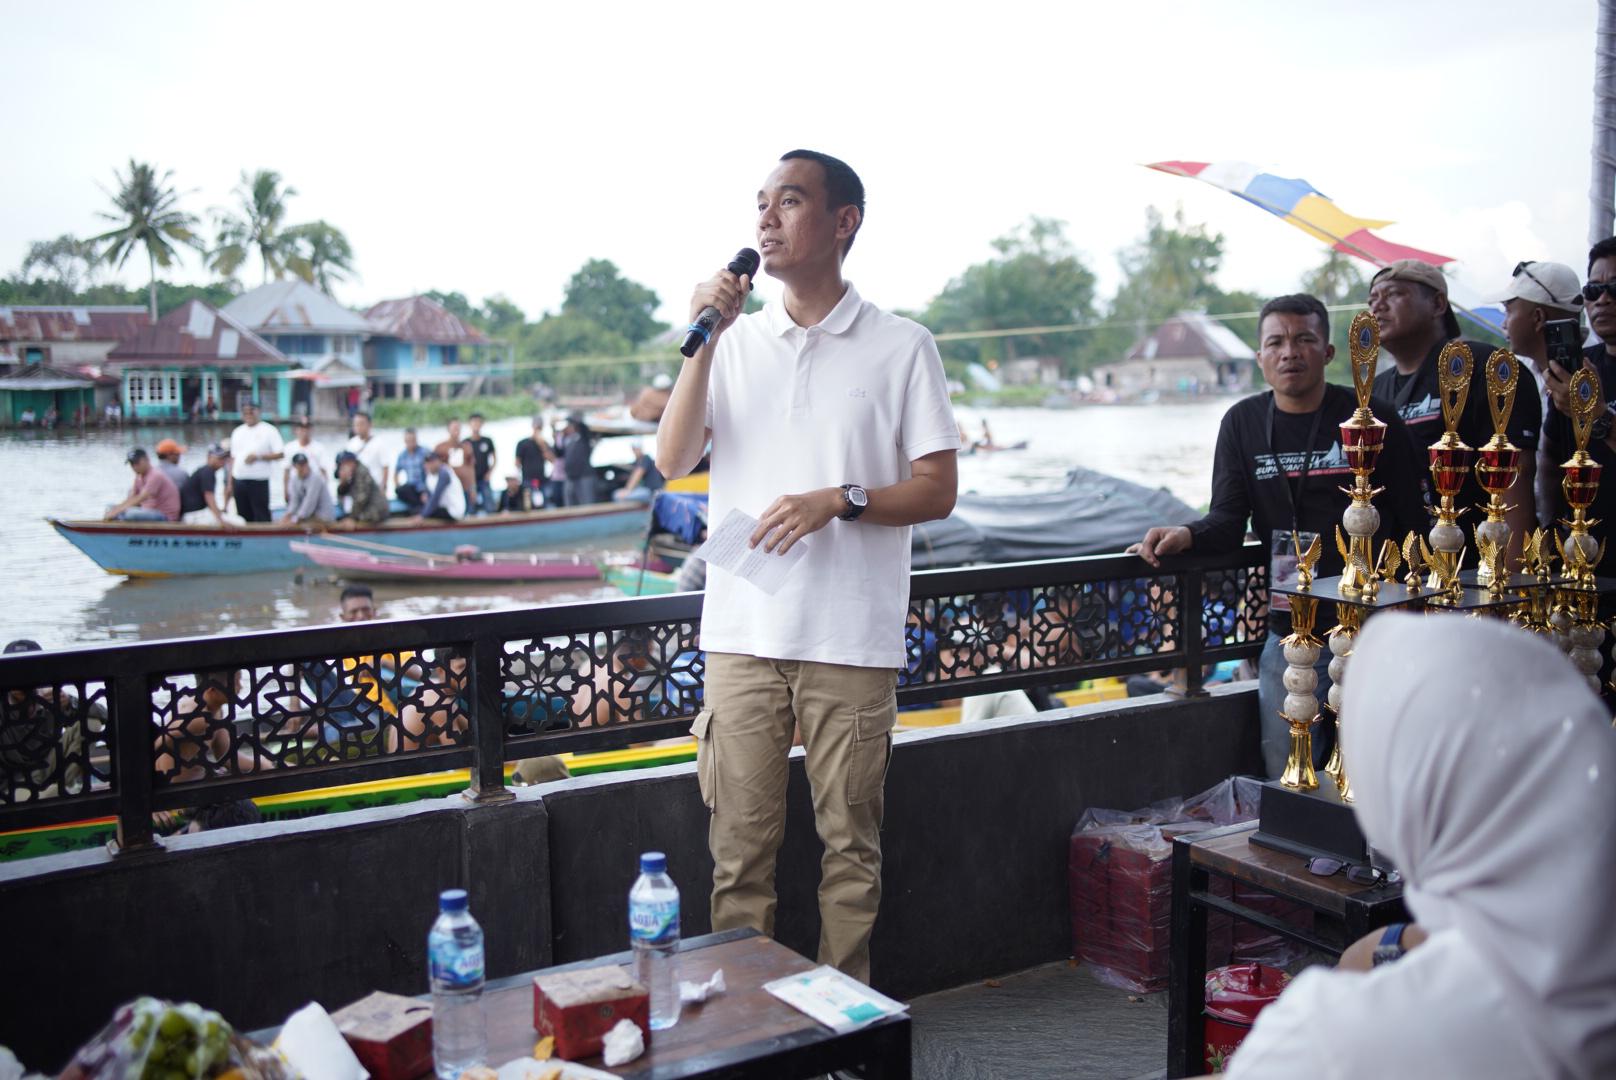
{"points": [[351, 564], [166, 549]]}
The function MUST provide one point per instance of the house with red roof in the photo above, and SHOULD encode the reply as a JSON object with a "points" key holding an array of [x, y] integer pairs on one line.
{"points": [[198, 361], [67, 337]]}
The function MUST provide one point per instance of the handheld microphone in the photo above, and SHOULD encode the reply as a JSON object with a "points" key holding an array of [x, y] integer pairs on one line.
{"points": [[701, 331]]}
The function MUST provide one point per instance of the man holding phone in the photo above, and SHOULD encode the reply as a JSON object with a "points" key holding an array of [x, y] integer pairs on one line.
{"points": [[1601, 359], [1409, 299], [1542, 321]]}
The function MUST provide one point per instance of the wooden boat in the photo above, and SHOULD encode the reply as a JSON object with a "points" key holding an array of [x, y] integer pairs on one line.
{"points": [[399, 564], [164, 548], [636, 582]]}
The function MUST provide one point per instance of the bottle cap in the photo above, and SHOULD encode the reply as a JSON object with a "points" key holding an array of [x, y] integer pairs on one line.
{"points": [[653, 862], [452, 900]]}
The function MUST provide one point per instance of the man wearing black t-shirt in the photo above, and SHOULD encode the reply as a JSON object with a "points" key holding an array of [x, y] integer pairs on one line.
{"points": [[198, 492], [1601, 358], [1409, 299], [534, 456], [483, 456], [1280, 465]]}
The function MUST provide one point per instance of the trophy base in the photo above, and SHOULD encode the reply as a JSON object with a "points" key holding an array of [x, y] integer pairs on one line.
{"points": [[1310, 824]]}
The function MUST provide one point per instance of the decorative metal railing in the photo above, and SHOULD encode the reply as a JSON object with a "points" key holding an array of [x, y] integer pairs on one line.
{"points": [[128, 730]]}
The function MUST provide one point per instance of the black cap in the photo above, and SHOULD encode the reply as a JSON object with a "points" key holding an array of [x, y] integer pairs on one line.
{"points": [[23, 644], [300, 459], [218, 449], [347, 455], [134, 455]]}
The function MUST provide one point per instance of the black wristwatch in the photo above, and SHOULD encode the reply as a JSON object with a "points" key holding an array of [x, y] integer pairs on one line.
{"points": [[854, 500]]}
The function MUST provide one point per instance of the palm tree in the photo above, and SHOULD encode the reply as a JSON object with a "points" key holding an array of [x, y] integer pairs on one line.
{"points": [[320, 254], [262, 200], [149, 215]]}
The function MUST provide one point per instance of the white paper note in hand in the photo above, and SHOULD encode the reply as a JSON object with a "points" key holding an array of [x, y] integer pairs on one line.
{"points": [[726, 549]]}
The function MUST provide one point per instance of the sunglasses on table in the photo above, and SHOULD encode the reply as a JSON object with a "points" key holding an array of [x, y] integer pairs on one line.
{"points": [[1357, 874]]}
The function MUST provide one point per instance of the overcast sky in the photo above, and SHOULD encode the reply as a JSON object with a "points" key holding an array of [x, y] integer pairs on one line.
{"points": [[492, 148]]}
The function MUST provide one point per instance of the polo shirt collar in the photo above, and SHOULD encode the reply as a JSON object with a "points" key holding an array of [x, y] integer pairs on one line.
{"points": [[837, 322]]}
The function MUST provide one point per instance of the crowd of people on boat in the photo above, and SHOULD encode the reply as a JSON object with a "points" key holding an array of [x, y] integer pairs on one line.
{"points": [[364, 483]]}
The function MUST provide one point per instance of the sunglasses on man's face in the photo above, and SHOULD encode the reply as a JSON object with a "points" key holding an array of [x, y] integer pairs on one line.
{"points": [[1595, 289]]}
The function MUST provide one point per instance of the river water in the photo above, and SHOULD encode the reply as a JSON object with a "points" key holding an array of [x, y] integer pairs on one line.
{"points": [[56, 595]]}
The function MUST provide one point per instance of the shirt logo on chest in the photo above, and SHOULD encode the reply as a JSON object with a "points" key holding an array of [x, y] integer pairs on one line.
{"points": [[857, 391]]}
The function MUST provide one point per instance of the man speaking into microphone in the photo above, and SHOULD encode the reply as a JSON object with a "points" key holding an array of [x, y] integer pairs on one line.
{"points": [[830, 423]]}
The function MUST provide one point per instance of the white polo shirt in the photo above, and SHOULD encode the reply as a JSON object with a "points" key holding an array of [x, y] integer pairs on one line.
{"points": [[260, 439], [852, 400]]}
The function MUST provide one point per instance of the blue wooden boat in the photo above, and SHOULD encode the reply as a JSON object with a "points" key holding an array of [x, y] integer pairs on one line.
{"points": [[167, 549]]}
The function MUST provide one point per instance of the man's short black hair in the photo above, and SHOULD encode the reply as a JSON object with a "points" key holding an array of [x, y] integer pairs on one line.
{"points": [[842, 185], [361, 412], [1605, 249], [1297, 304], [476, 416], [356, 592], [223, 815]]}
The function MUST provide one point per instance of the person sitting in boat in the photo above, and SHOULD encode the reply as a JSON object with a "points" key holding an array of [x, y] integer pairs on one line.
{"points": [[435, 715], [199, 497], [43, 732], [152, 497], [516, 497], [643, 482], [445, 497], [196, 735], [410, 469], [365, 502], [307, 498]]}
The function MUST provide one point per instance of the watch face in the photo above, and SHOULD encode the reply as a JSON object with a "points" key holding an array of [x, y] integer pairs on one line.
{"points": [[857, 496]]}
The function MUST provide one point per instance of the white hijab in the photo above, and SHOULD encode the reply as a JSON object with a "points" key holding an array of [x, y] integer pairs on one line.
{"points": [[1486, 771]]}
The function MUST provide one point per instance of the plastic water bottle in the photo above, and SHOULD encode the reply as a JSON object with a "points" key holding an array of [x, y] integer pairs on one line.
{"points": [[653, 930], [455, 952]]}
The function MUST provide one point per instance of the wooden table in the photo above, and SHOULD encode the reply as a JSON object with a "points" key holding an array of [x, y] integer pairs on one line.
{"points": [[1352, 910], [743, 1032]]}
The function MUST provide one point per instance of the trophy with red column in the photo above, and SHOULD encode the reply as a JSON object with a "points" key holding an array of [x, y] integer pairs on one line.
{"points": [[1497, 465]]}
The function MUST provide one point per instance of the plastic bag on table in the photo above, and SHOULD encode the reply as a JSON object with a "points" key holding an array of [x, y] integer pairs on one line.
{"points": [[148, 1039]]}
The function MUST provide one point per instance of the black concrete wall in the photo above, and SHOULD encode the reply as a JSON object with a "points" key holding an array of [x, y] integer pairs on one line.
{"points": [[974, 842], [255, 922]]}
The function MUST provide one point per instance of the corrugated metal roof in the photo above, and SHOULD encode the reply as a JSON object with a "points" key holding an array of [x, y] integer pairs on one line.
{"points": [[195, 333], [294, 306], [1191, 335], [50, 323], [44, 377], [422, 319]]}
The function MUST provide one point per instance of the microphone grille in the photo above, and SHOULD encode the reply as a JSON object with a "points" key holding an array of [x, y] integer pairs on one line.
{"points": [[745, 262]]}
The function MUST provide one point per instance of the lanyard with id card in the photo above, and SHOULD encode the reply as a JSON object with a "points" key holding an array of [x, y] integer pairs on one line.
{"points": [[1286, 543]]}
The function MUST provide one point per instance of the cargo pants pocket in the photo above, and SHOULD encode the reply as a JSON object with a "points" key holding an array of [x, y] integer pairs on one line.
{"points": [[872, 750], [706, 766]]}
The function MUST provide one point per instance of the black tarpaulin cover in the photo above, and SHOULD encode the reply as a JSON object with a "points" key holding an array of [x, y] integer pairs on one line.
{"points": [[1094, 514]]}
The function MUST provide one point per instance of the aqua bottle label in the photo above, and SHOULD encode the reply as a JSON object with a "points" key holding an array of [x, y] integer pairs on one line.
{"points": [[457, 965], [654, 923]]}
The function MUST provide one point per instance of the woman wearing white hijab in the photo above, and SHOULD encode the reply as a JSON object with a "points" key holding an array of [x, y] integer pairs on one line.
{"points": [[1486, 771]]}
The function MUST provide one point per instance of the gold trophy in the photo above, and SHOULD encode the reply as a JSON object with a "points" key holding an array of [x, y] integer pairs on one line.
{"points": [[1497, 465], [1414, 581], [1301, 680], [1579, 553], [1362, 439], [1534, 611], [1343, 637], [1450, 458]]}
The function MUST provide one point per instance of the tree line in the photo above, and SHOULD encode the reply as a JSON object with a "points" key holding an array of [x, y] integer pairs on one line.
{"points": [[606, 328]]}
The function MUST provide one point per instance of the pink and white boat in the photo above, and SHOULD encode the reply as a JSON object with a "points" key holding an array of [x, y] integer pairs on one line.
{"points": [[397, 564]]}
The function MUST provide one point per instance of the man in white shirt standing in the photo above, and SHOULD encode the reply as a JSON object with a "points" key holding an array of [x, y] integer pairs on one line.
{"points": [[830, 423], [254, 448], [368, 449]]}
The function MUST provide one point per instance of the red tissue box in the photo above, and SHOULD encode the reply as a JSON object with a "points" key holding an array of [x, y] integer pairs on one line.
{"points": [[391, 1035], [580, 1007]]}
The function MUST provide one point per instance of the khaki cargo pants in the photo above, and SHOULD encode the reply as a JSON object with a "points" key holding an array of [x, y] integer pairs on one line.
{"points": [[743, 738]]}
